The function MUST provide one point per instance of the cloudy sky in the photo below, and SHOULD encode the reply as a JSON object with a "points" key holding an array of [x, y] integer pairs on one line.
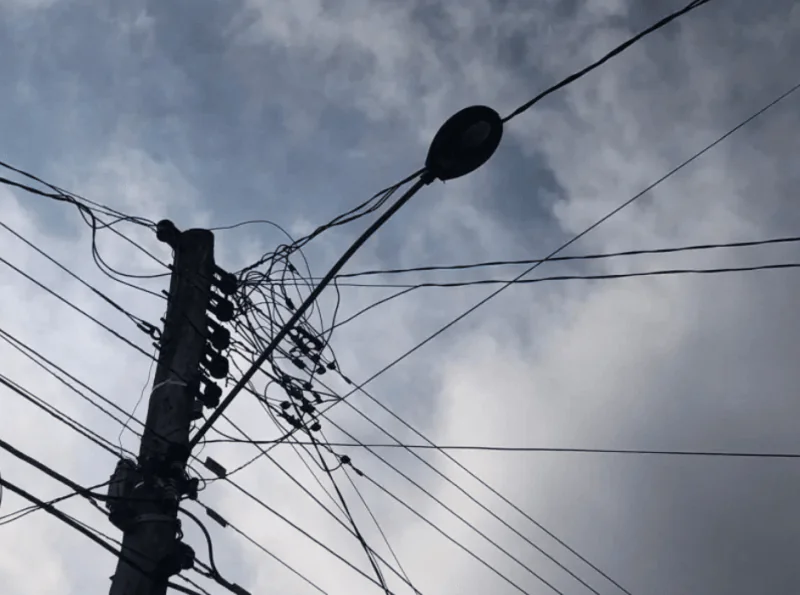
{"points": [[212, 113]]}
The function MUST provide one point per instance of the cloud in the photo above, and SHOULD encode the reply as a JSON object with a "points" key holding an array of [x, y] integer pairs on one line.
{"points": [[210, 114]]}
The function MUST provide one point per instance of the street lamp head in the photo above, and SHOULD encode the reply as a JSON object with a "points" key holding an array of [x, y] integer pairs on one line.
{"points": [[465, 142]]}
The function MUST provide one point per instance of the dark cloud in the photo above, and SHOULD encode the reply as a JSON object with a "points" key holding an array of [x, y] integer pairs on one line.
{"points": [[300, 109]]}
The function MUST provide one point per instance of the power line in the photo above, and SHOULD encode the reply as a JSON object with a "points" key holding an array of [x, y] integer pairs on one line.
{"points": [[616, 51], [263, 452], [607, 276], [307, 303], [534, 449], [67, 196], [603, 277], [35, 356], [94, 222], [23, 512], [352, 531], [380, 529], [302, 531], [600, 256], [88, 433], [227, 524], [457, 515], [575, 238], [473, 308], [369, 551], [394, 497], [136, 319], [74, 307], [73, 523]]}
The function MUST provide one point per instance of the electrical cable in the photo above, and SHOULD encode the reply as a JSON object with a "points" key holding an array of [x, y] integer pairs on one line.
{"points": [[66, 196], [65, 518], [451, 539], [132, 414], [74, 307], [461, 518], [461, 489], [32, 355], [95, 223], [405, 578], [601, 256], [352, 531], [78, 490], [380, 529], [369, 551], [241, 533], [136, 319], [23, 512], [302, 531], [688, 161], [52, 473], [26, 350], [600, 277], [297, 315], [200, 589], [52, 411], [533, 449], [616, 51], [575, 238], [207, 535]]}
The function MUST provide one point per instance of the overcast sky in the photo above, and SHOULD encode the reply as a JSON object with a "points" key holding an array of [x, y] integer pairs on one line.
{"points": [[212, 113]]}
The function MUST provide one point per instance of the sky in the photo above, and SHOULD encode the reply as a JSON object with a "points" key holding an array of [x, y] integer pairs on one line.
{"points": [[212, 113]]}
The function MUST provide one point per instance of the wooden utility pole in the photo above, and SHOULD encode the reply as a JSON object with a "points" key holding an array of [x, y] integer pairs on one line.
{"points": [[144, 500]]}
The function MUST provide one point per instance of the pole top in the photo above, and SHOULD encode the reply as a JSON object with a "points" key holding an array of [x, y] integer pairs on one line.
{"points": [[167, 232], [464, 143]]}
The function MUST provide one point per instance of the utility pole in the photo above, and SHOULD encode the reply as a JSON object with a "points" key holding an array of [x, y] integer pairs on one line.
{"points": [[144, 495]]}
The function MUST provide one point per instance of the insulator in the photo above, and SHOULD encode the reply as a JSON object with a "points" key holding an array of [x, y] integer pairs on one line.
{"points": [[210, 394], [224, 281], [221, 307], [332, 366], [294, 392], [216, 364], [317, 398], [285, 405], [344, 459], [307, 408], [220, 337], [321, 370], [307, 385], [298, 362], [293, 421], [315, 427], [311, 338]]}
